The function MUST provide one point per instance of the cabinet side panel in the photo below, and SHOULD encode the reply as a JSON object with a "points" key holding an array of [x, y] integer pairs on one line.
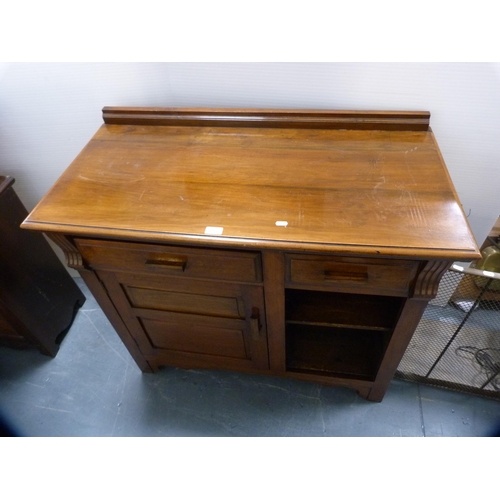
{"points": [[274, 291], [408, 321], [99, 292]]}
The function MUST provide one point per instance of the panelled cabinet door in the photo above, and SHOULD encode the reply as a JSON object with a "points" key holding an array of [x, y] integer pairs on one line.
{"points": [[178, 321]]}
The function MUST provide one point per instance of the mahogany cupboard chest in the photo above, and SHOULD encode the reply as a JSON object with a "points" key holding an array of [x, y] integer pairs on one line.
{"points": [[293, 243]]}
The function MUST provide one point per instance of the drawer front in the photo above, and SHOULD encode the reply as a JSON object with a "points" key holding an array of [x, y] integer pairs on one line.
{"points": [[222, 265], [351, 274]]}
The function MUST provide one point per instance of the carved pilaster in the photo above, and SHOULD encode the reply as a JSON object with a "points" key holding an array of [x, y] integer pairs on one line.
{"points": [[73, 257], [427, 284]]}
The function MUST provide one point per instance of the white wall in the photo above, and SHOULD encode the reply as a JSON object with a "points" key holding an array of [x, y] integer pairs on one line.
{"points": [[48, 111]]}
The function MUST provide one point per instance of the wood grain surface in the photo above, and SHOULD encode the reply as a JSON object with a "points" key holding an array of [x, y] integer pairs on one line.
{"points": [[375, 190]]}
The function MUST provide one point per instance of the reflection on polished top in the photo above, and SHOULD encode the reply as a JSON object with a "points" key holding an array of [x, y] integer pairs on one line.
{"points": [[363, 183]]}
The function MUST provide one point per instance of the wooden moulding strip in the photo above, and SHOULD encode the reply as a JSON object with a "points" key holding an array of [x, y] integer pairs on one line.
{"points": [[239, 243], [269, 118]]}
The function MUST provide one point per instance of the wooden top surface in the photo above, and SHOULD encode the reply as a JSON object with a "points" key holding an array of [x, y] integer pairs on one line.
{"points": [[377, 186]]}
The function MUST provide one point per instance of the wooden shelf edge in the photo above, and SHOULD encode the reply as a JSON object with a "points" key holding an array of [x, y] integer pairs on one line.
{"points": [[265, 118], [340, 325], [329, 379], [145, 236]]}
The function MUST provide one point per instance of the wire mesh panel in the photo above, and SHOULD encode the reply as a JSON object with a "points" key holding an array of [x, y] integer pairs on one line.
{"points": [[457, 342]]}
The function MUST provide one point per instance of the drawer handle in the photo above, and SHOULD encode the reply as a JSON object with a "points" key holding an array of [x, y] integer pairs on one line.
{"points": [[255, 325], [335, 275], [167, 262]]}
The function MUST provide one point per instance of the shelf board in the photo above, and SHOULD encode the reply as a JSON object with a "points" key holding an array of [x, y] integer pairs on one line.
{"points": [[340, 352], [339, 325]]}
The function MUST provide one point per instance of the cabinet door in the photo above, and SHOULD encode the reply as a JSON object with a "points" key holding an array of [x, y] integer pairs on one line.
{"points": [[187, 322]]}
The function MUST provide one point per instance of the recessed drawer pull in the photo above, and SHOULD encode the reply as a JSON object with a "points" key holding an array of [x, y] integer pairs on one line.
{"points": [[338, 275], [255, 325], [167, 262]]}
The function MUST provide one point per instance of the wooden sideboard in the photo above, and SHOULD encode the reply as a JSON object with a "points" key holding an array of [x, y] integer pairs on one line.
{"points": [[38, 297], [291, 243]]}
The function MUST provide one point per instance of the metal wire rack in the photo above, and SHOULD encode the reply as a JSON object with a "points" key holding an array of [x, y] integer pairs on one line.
{"points": [[457, 342]]}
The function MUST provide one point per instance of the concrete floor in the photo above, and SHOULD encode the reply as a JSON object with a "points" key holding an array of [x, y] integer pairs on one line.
{"points": [[93, 388]]}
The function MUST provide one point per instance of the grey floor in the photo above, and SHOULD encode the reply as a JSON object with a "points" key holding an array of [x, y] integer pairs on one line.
{"points": [[93, 388]]}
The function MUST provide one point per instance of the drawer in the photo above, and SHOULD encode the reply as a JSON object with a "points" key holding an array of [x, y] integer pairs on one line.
{"points": [[359, 275], [225, 265]]}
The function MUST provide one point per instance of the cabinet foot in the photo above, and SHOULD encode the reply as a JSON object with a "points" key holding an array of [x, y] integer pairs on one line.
{"points": [[373, 394]]}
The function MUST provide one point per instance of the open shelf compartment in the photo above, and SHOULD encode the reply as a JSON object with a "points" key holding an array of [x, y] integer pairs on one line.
{"points": [[337, 334], [372, 312]]}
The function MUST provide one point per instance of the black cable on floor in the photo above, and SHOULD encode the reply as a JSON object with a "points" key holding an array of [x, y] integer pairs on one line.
{"points": [[484, 359]]}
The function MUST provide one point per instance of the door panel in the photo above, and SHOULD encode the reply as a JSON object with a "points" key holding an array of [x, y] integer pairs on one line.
{"points": [[193, 303], [201, 338], [169, 318]]}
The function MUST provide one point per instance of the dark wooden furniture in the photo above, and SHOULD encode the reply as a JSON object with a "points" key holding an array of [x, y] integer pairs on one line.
{"points": [[38, 298], [302, 244]]}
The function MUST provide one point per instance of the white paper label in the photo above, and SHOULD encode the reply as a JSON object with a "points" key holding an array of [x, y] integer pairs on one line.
{"points": [[214, 230]]}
